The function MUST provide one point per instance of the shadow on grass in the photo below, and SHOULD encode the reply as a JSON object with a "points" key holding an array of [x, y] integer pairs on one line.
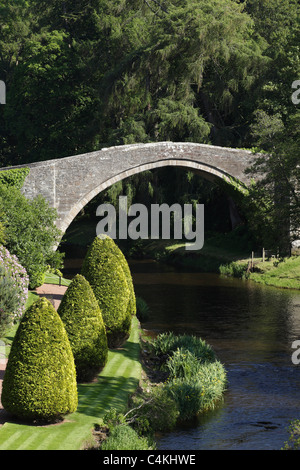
{"points": [[109, 392], [129, 350]]}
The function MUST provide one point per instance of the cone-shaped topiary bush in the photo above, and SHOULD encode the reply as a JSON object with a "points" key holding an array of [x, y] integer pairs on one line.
{"points": [[82, 318], [40, 378], [109, 244], [116, 250], [103, 270]]}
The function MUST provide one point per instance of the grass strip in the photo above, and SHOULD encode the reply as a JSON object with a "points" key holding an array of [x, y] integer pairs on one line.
{"points": [[283, 273], [118, 379]]}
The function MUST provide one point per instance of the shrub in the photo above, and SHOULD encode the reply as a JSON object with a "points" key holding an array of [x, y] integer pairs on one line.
{"points": [[116, 250], [102, 269], [198, 392], [152, 410], [109, 244], [196, 379], [8, 300], [142, 309], [13, 286], [234, 270], [82, 318], [167, 343], [14, 177], [123, 437], [40, 379], [293, 442], [30, 232]]}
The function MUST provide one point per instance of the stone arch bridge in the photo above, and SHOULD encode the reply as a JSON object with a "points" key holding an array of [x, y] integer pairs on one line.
{"points": [[70, 183]]}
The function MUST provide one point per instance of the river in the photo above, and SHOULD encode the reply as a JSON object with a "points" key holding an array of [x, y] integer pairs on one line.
{"points": [[251, 328]]}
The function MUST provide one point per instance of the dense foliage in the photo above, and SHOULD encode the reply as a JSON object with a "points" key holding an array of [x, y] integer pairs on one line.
{"points": [[123, 437], [13, 288], [105, 273], [82, 319], [196, 379], [30, 232], [40, 377], [85, 75], [14, 177]]}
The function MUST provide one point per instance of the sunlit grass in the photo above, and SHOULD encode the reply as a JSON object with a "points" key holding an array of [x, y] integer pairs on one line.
{"points": [[285, 273]]}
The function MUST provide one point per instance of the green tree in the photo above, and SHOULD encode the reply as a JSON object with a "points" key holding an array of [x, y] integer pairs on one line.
{"points": [[40, 377], [31, 233], [115, 72], [82, 318], [275, 198]]}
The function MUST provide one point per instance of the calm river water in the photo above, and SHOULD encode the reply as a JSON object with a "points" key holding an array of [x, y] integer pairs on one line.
{"points": [[251, 329]]}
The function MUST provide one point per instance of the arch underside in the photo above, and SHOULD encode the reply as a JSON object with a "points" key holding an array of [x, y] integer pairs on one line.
{"points": [[206, 171]]}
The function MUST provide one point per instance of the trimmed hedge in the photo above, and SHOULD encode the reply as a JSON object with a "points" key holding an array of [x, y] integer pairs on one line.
{"points": [[131, 308], [82, 318], [116, 250], [103, 269], [40, 378]]}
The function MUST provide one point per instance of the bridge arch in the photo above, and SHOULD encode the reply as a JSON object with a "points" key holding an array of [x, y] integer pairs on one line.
{"points": [[208, 173], [70, 183]]}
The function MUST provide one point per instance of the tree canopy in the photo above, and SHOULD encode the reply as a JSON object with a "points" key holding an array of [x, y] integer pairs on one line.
{"points": [[85, 75]]}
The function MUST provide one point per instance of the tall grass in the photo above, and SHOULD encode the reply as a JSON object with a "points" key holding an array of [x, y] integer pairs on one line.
{"points": [[234, 269], [167, 343], [196, 379]]}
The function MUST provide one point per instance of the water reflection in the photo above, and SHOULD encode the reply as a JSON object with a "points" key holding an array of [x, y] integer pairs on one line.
{"points": [[251, 328]]}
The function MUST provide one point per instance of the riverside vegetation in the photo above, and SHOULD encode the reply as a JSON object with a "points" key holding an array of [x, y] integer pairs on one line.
{"points": [[181, 378], [282, 272]]}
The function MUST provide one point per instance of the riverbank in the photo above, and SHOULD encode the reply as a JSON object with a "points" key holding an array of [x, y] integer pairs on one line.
{"points": [[181, 379], [224, 256], [218, 249], [283, 273]]}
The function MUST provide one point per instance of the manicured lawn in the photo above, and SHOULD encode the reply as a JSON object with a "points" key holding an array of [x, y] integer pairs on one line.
{"points": [[51, 278], [118, 379]]}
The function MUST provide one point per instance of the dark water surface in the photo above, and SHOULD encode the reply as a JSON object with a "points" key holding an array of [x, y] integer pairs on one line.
{"points": [[251, 328]]}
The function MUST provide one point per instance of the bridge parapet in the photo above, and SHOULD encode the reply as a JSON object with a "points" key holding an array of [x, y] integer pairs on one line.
{"points": [[70, 183]]}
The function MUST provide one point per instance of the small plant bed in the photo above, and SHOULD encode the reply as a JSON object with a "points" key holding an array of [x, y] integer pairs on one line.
{"points": [[181, 378]]}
